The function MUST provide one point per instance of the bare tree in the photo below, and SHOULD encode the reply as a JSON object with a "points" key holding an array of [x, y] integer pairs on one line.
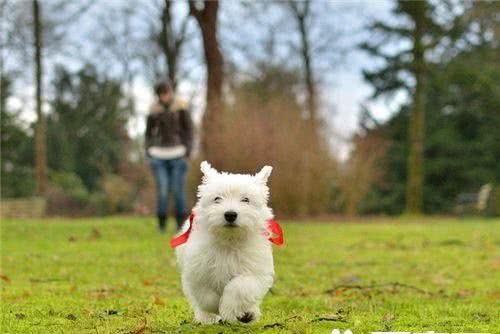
{"points": [[301, 13], [40, 132], [172, 41], [33, 33], [119, 41], [58, 18], [154, 35], [205, 14]]}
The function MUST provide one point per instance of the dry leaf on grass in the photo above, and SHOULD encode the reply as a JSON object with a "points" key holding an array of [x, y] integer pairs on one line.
{"points": [[141, 328], [95, 234], [157, 300], [148, 282]]}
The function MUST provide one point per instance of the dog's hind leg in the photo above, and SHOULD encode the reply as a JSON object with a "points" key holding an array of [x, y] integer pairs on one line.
{"points": [[242, 296]]}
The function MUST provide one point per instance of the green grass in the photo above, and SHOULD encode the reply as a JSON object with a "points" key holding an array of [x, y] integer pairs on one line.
{"points": [[117, 275]]}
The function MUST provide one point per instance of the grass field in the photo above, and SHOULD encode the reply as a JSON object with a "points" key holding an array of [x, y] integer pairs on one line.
{"points": [[117, 275]]}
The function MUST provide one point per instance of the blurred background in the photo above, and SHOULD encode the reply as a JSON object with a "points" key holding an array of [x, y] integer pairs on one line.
{"points": [[362, 107]]}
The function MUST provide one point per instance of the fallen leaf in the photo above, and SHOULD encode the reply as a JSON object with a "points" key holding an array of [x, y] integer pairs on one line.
{"points": [[387, 320], [141, 328], [481, 316], [95, 234], [440, 280], [5, 278], [157, 300], [495, 295], [72, 238], [465, 293], [102, 293], [388, 317], [148, 282]]}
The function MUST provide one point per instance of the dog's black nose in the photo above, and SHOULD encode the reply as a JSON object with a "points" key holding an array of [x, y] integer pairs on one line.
{"points": [[230, 216]]}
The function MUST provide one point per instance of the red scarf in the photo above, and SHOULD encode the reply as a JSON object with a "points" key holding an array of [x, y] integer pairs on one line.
{"points": [[272, 225]]}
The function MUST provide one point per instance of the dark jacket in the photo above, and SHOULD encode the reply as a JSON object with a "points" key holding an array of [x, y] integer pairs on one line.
{"points": [[169, 126]]}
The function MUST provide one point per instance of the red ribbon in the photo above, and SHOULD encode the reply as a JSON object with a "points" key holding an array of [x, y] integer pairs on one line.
{"points": [[275, 229], [184, 236], [273, 226]]}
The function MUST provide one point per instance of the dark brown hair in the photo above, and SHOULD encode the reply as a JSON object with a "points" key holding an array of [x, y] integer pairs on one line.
{"points": [[163, 87]]}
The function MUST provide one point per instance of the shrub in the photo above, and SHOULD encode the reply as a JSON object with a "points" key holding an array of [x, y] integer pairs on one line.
{"points": [[18, 182], [266, 125], [70, 183], [66, 195], [118, 193]]}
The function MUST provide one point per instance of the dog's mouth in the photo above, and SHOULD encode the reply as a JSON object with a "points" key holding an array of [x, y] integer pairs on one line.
{"points": [[230, 225]]}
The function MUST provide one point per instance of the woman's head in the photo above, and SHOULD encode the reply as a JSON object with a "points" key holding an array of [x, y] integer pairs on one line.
{"points": [[163, 90]]}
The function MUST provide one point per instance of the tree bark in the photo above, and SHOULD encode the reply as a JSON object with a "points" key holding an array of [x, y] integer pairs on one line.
{"points": [[414, 192], [171, 41], [310, 83], [301, 12], [211, 123], [40, 131]]}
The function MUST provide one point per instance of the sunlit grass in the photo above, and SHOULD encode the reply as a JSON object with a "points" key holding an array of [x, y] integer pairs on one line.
{"points": [[118, 275]]}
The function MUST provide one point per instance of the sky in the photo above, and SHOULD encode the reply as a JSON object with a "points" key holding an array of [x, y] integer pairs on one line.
{"points": [[343, 89], [342, 95]]}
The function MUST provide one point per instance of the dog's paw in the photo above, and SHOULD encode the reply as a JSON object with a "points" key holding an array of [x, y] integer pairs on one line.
{"points": [[233, 315], [246, 317]]}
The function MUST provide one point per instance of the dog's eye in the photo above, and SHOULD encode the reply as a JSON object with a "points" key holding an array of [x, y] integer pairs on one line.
{"points": [[217, 199], [245, 200]]}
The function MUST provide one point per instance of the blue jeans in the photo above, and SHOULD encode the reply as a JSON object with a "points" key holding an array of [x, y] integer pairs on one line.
{"points": [[170, 176]]}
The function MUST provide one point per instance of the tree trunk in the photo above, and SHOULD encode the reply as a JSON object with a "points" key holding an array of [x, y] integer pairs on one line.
{"points": [[167, 43], [417, 118], [207, 21], [171, 40], [40, 140], [301, 14], [307, 62]]}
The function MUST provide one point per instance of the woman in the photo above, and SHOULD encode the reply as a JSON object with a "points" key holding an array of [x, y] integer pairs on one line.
{"points": [[169, 138]]}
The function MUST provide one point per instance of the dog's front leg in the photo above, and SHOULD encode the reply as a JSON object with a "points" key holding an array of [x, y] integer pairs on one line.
{"points": [[242, 296]]}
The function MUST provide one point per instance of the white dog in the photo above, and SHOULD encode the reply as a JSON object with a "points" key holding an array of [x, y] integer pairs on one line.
{"points": [[226, 257]]}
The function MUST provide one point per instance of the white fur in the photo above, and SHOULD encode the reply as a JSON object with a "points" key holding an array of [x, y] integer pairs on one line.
{"points": [[226, 271]]}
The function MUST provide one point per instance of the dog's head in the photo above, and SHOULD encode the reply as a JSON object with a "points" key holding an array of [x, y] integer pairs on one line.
{"points": [[233, 203]]}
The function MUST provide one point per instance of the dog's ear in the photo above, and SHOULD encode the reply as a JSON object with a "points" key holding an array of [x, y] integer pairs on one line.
{"points": [[264, 174], [207, 170]]}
